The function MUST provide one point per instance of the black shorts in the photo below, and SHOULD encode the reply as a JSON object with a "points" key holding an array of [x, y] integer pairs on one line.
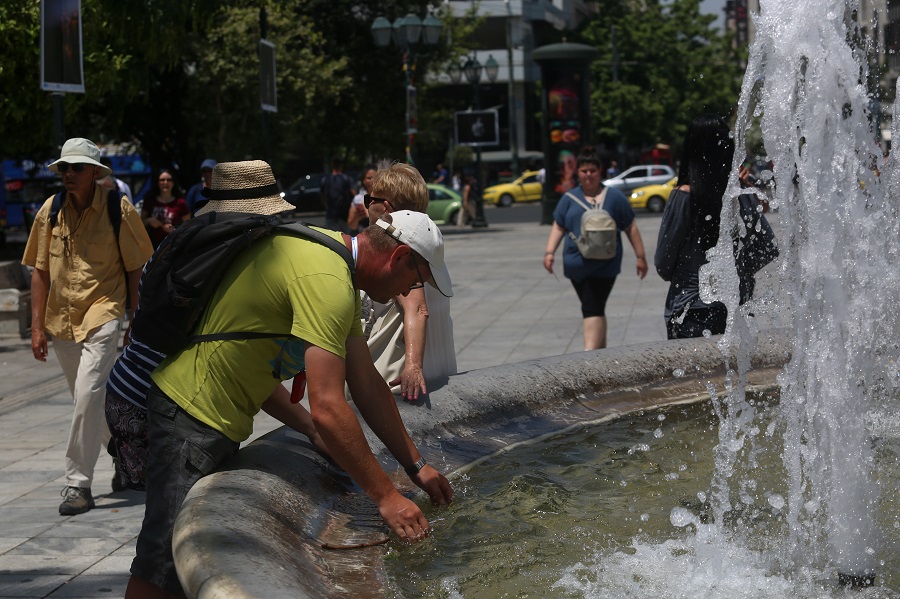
{"points": [[182, 451], [593, 294]]}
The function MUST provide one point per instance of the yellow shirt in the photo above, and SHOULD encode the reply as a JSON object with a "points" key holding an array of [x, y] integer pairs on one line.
{"points": [[282, 284], [88, 285]]}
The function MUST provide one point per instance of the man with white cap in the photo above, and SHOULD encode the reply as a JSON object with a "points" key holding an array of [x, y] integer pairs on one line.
{"points": [[205, 396], [82, 277]]}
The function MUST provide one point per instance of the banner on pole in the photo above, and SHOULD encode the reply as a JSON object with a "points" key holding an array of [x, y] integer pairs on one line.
{"points": [[62, 69]]}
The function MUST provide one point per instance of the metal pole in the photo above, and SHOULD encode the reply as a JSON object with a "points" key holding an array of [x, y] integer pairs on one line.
{"points": [[511, 92], [480, 221], [59, 131], [409, 66], [263, 30]]}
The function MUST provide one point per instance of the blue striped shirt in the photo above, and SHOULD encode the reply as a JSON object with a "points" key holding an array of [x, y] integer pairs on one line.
{"points": [[130, 375]]}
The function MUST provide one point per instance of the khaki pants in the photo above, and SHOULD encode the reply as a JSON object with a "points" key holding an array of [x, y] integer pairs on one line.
{"points": [[86, 366]]}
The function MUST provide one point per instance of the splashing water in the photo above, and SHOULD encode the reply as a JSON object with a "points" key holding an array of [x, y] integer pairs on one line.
{"points": [[806, 86]]}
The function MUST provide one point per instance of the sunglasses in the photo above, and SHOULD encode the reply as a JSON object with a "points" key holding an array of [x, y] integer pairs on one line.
{"points": [[63, 167], [421, 282], [367, 201]]}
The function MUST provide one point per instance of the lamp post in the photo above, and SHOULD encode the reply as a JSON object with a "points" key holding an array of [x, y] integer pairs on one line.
{"points": [[472, 70], [406, 32]]}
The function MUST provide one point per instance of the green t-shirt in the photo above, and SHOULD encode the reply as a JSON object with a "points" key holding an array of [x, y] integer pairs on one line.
{"points": [[282, 284]]}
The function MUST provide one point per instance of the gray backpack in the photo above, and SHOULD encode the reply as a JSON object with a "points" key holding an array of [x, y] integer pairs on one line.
{"points": [[599, 232]]}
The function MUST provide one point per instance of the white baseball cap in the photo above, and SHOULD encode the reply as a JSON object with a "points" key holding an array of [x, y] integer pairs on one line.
{"points": [[420, 233]]}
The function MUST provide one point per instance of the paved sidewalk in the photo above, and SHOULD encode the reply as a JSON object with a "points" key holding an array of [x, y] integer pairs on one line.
{"points": [[506, 309]]}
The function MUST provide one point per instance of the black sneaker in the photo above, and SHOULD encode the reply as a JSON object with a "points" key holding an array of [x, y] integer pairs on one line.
{"points": [[117, 478], [75, 501]]}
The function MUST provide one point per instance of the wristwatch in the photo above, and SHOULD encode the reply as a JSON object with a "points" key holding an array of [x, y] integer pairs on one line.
{"points": [[415, 468]]}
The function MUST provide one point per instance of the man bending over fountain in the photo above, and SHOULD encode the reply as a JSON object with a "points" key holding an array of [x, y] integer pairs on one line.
{"points": [[204, 397]]}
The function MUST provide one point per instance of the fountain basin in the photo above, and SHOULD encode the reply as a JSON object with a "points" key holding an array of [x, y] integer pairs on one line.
{"points": [[257, 527]]}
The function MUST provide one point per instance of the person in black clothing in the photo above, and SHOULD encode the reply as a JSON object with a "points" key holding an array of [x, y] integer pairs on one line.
{"points": [[690, 227], [337, 195]]}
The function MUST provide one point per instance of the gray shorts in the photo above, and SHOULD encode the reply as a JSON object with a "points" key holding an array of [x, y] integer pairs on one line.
{"points": [[182, 451]]}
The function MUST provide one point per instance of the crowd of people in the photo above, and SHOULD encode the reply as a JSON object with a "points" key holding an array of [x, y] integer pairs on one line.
{"points": [[365, 322]]}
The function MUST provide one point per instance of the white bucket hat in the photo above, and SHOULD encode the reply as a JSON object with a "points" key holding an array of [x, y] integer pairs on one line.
{"points": [[420, 233], [247, 186], [79, 150]]}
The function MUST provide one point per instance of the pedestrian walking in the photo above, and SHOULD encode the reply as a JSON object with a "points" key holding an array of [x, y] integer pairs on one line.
{"points": [[593, 279], [85, 268]]}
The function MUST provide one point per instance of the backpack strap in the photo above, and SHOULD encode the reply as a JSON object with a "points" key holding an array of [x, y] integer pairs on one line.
{"points": [[577, 200], [305, 230], [55, 207], [297, 230], [113, 210]]}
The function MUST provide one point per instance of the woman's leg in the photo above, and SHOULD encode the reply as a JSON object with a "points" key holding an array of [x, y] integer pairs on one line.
{"points": [[594, 332]]}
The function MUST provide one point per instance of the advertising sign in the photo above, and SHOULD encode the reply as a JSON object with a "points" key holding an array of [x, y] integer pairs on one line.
{"points": [[268, 92], [477, 128], [61, 65]]}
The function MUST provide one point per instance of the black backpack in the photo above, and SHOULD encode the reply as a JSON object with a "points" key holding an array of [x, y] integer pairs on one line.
{"points": [[187, 267]]}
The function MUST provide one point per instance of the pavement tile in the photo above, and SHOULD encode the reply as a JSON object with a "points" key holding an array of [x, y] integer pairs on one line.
{"points": [[46, 565], [93, 586], [64, 546], [7, 543], [28, 585]]}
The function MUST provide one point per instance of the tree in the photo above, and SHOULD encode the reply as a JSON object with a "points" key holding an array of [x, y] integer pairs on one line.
{"points": [[181, 79], [669, 64]]}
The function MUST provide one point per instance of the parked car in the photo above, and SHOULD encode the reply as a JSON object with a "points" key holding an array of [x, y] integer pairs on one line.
{"points": [[639, 176], [653, 198], [443, 204], [526, 188], [304, 193]]}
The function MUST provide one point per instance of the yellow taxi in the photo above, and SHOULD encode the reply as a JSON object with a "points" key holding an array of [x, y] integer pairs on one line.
{"points": [[653, 198], [526, 188]]}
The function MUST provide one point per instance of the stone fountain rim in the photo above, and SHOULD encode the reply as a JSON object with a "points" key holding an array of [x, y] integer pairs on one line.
{"points": [[231, 538]]}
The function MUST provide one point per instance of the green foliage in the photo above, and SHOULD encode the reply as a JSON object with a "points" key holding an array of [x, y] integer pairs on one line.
{"points": [[672, 65], [181, 79]]}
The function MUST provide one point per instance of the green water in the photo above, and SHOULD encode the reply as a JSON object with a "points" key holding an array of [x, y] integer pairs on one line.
{"points": [[590, 514]]}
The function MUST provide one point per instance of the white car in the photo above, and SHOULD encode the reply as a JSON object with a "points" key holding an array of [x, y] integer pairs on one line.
{"points": [[639, 176]]}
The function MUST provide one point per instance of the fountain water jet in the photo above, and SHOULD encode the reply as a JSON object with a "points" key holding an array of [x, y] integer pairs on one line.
{"points": [[806, 82]]}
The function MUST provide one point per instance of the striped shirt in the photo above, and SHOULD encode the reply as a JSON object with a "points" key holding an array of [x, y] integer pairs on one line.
{"points": [[130, 375]]}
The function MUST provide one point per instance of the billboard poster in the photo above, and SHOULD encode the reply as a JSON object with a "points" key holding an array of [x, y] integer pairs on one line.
{"points": [[565, 123], [477, 128], [61, 50], [268, 91]]}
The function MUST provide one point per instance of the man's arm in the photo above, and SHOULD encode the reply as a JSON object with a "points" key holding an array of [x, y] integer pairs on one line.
{"points": [[343, 435], [133, 278], [375, 403], [279, 407], [415, 318], [40, 287]]}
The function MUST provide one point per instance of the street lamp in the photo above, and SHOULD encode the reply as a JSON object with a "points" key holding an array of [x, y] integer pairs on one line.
{"points": [[406, 32], [472, 69]]}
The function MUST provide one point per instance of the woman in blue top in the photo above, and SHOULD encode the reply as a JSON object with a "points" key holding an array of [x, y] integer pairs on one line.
{"points": [[593, 279]]}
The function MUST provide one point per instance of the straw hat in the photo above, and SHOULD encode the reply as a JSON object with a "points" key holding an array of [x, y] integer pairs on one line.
{"points": [[247, 186], [79, 150]]}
